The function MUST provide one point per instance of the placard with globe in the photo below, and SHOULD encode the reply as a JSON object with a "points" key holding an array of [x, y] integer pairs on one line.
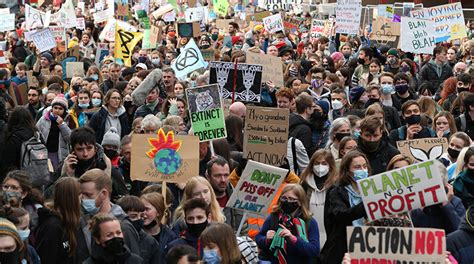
{"points": [[164, 157]]}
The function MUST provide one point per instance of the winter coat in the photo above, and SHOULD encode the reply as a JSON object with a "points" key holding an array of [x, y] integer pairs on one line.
{"points": [[461, 243], [338, 214], [380, 157], [101, 256], [12, 147], [469, 125], [429, 74], [299, 252], [99, 120], [44, 126], [300, 128], [144, 110], [134, 187], [164, 239], [149, 248], [52, 242], [442, 217], [19, 51], [186, 239]]}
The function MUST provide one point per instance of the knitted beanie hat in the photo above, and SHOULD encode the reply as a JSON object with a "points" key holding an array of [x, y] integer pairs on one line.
{"points": [[111, 138], [60, 100], [9, 229]]}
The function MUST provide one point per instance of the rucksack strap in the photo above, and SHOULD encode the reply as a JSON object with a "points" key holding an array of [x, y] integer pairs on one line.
{"points": [[295, 160], [401, 133], [462, 117]]}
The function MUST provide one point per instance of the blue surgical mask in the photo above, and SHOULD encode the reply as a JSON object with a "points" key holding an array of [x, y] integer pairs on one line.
{"points": [[89, 206], [356, 134], [210, 256], [388, 89], [24, 234], [95, 77], [96, 102], [360, 174], [83, 106]]}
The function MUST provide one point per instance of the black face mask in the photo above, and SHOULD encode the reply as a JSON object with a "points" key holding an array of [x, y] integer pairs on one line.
{"points": [[197, 229], [340, 136], [453, 153], [205, 46], [413, 119], [141, 59], [10, 257], [110, 153], [138, 224], [76, 87], [127, 104], [150, 225], [370, 146], [85, 164], [462, 89], [114, 245], [371, 101], [361, 61], [318, 116], [289, 207]]}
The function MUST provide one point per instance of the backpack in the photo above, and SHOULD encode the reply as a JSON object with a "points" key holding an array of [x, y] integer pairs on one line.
{"points": [[34, 160], [462, 118]]}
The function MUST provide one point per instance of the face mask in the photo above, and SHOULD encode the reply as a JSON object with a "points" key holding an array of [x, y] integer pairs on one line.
{"points": [[289, 207], [155, 62], [336, 104], [361, 61], [10, 257], [83, 106], [95, 77], [462, 89], [210, 256], [89, 206], [317, 84], [8, 196], [293, 72], [392, 61], [24, 234], [405, 69], [206, 46], [150, 225], [197, 229], [114, 245], [346, 55], [96, 102], [318, 116], [356, 134], [372, 101], [371, 146], [340, 136], [110, 153], [402, 88], [453, 153], [387, 89], [320, 170], [138, 224], [141, 59], [238, 47], [360, 174], [214, 37], [52, 117], [76, 87], [166, 62], [44, 90], [413, 119]]}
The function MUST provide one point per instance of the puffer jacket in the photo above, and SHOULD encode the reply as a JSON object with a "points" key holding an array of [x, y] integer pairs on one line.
{"points": [[44, 126]]}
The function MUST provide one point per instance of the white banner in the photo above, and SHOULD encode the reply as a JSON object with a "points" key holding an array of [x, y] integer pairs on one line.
{"points": [[7, 22], [348, 15], [43, 40], [417, 35]]}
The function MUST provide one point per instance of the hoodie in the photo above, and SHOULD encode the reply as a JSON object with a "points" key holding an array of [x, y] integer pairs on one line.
{"points": [[461, 242], [102, 120], [300, 128]]}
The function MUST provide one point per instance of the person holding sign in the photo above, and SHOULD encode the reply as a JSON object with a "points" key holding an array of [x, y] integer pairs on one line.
{"points": [[289, 234], [344, 206], [464, 182]]}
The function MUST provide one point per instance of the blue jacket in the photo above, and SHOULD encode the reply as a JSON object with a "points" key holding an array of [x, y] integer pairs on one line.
{"points": [[461, 243], [437, 216], [300, 252], [165, 238]]}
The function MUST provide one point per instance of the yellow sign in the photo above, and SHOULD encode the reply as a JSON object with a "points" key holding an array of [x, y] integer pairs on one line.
{"points": [[125, 42]]}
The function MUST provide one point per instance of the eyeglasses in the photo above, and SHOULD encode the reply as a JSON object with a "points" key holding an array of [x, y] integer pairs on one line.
{"points": [[288, 199], [7, 187]]}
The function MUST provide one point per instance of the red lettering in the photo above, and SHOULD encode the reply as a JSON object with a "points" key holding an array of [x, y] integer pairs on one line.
{"points": [[382, 205], [372, 208], [440, 236], [433, 192], [244, 185], [430, 243], [261, 190], [391, 202], [422, 199], [354, 261], [409, 201], [419, 242]]}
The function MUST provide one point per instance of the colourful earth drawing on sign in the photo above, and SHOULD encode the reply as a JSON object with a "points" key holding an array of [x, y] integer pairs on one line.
{"points": [[164, 152]]}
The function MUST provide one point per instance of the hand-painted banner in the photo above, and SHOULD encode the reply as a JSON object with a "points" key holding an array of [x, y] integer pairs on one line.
{"points": [[423, 149], [266, 135], [317, 28], [448, 20], [43, 40], [66, 16], [102, 52], [348, 15], [189, 60], [377, 244], [256, 188], [195, 14], [35, 18], [272, 69], [247, 85], [108, 33], [160, 157], [273, 23], [418, 35], [206, 112], [125, 42], [287, 5], [221, 7], [402, 190], [7, 22]]}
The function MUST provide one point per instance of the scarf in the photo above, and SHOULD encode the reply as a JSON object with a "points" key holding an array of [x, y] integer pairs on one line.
{"points": [[462, 180], [152, 106], [295, 225], [82, 119], [354, 199]]}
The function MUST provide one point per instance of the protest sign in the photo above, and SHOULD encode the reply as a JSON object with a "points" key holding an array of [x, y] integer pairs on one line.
{"points": [[70, 53], [448, 20], [195, 14], [286, 5], [160, 157], [20, 93], [377, 244], [102, 52], [418, 35], [81, 23], [223, 24], [423, 149], [317, 28], [169, 17], [273, 23], [348, 15], [385, 11], [162, 10], [206, 112], [102, 16], [290, 26], [257, 17], [43, 40], [272, 70], [125, 42], [189, 30], [35, 18], [256, 188], [4, 11], [108, 33], [66, 16], [247, 86], [31, 80], [59, 34], [266, 135], [146, 43], [384, 29], [221, 7], [7, 22], [402, 190], [329, 27], [189, 60], [74, 69], [208, 54], [155, 35]]}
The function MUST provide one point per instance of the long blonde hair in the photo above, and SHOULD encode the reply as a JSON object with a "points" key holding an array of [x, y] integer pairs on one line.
{"points": [[332, 174], [191, 184], [302, 198]]}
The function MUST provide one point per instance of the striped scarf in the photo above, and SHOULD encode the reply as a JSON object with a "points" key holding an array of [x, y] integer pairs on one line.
{"points": [[295, 225]]}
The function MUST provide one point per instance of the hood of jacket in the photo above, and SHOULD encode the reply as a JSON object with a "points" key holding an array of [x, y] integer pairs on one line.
{"points": [[44, 214], [117, 211], [100, 255], [120, 111], [296, 120]]}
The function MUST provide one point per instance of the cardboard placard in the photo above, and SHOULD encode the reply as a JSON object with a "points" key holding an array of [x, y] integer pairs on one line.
{"points": [[317, 28], [31, 80], [195, 14], [20, 93], [101, 53], [266, 135], [418, 35], [376, 244], [247, 86], [273, 23], [160, 157], [162, 10], [34, 18], [329, 26], [108, 33], [189, 60], [81, 23], [257, 17], [155, 35], [448, 20], [402, 190], [256, 188], [189, 30], [221, 7], [272, 67], [43, 40], [74, 69], [348, 16], [285, 5], [73, 52], [382, 26], [423, 149], [223, 24], [169, 17], [206, 112], [208, 54]]}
